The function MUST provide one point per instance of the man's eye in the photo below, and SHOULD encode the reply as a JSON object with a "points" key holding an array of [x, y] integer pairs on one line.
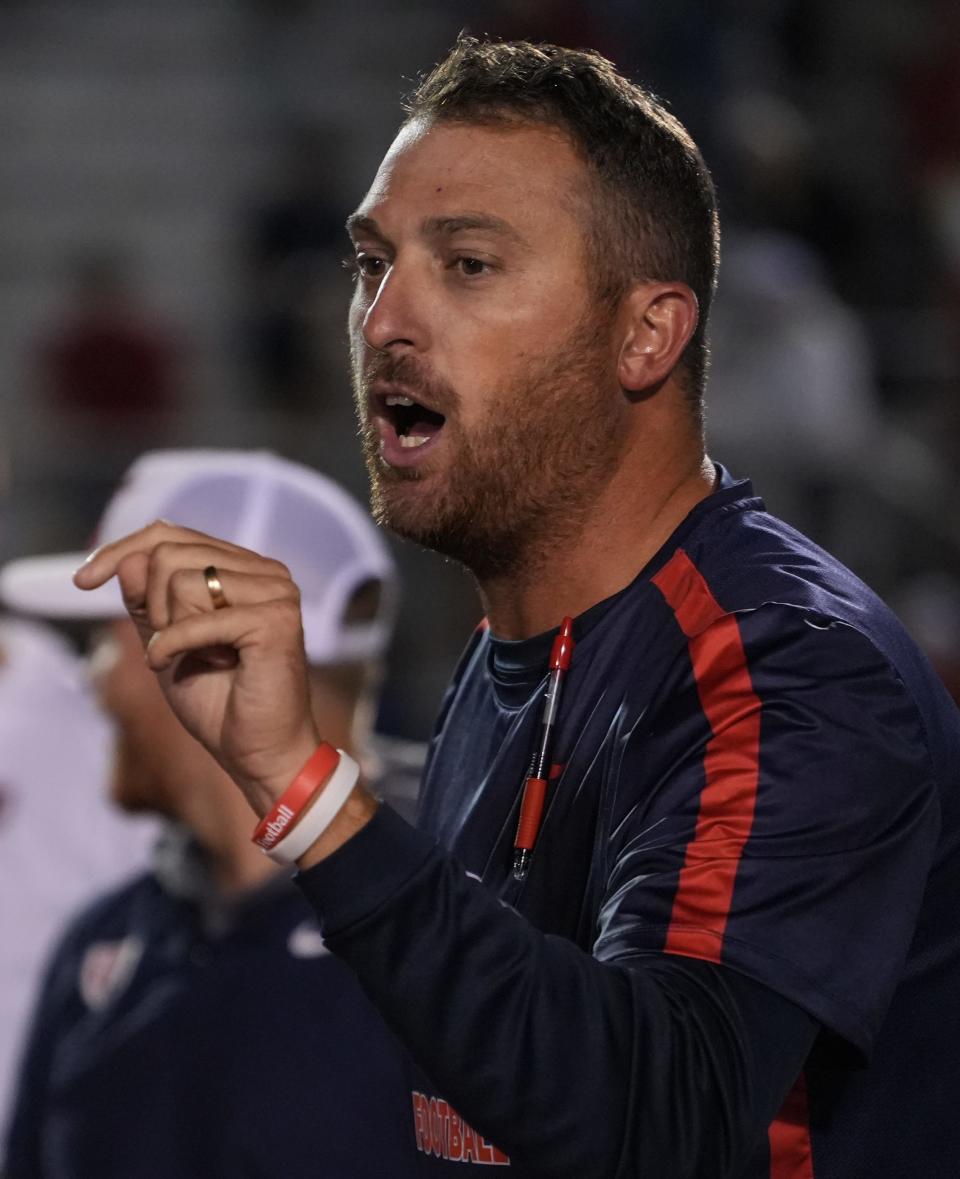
{"points": [[472, 267], [366, 265]]}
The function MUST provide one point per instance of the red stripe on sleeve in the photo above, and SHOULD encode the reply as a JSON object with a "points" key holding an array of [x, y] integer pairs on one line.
{"points": [[791, 1156], [731, 759]]}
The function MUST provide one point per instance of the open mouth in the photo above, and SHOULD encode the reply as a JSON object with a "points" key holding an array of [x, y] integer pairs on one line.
{"points": [[412, 425]]}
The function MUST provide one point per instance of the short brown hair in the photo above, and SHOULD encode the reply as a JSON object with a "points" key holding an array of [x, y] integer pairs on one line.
{"points": [[656, 216]]}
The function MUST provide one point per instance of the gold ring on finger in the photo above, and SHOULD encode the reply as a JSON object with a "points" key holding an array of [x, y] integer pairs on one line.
{"points": [[214, 587]]}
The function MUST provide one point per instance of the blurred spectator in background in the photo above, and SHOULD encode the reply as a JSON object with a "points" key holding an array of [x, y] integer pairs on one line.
{"points": [[792, 390], [795, 397], [109, 356], [151, 1055], [61, 841], [290, 239], [933, 108], [774, 175], [791, 379]]}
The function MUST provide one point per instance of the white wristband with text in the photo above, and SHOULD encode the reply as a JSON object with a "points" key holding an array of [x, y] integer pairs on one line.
{"points": [[320, 814]]}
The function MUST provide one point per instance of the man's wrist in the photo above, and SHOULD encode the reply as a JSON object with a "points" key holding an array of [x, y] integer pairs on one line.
{"points": [[352, 817], [318, 811], [263, 792]]}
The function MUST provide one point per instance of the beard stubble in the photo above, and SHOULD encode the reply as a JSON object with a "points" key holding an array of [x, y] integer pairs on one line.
{"points": [[549, 439]]}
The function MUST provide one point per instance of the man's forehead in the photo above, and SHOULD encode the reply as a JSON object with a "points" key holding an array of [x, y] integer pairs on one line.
{"points": [[497, 169]]}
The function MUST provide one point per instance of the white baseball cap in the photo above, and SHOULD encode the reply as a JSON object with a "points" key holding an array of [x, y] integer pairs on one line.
{"points": [[252, 498]]}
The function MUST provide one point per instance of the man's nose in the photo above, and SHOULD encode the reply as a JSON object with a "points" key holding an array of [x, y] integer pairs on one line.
{"points": [[396, 319]]}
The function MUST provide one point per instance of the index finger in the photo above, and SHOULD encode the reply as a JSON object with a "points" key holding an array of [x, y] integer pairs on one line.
{"points": [[102, 563]]}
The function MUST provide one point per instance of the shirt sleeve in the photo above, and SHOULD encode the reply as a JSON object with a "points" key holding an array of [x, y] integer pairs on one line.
{"points": [[791, 830], [687, 1062]]}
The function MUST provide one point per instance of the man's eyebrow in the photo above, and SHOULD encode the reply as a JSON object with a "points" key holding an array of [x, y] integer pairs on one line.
{"points": [[436, 226], [358, 224]]}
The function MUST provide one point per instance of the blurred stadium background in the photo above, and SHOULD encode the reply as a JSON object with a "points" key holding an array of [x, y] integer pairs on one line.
{"points": [[173, 183]]}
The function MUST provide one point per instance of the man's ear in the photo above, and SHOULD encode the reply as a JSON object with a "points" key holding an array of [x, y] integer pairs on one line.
{"points": [[658, 319]]}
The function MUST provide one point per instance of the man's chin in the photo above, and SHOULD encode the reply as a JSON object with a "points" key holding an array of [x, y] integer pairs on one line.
{"points": [[450, 512], [401, 501], [409, 520], [135, 789], [485, 551]]}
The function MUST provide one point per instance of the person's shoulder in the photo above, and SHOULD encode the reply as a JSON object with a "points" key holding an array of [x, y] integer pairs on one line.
{"points": [[748, 557], [796, 603], [98, 947], [111, 914]]}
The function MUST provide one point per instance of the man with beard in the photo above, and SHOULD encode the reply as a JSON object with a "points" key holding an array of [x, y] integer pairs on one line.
{"points": [[722, 943], [150, 1056]]}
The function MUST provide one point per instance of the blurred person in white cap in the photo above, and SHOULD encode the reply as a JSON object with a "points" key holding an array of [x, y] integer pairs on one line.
{"points": [[55, 751], [150, 1056]]}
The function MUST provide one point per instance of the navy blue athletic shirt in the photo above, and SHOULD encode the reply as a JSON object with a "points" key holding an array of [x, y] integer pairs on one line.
{"points": [[160, 1052], [737, 952]]}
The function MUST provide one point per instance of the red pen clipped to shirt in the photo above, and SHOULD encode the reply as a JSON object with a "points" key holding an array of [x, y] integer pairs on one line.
{"points": [[535, 787]]}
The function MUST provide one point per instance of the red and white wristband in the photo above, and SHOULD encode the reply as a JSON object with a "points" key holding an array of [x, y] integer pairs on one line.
{"points": [[308, 806]]}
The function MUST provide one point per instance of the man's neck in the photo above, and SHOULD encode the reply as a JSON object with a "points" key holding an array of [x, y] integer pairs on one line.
{"points": [[602, 551]]}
